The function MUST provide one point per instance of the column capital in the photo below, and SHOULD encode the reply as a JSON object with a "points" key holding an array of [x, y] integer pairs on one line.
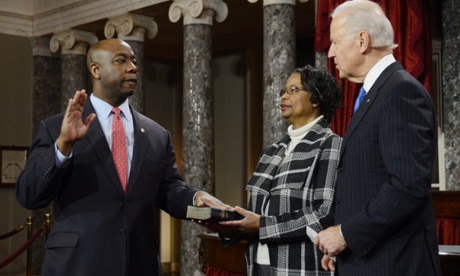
{"points": [[277, 2], [40, 46], [70, 41], [198, 11], [131, 26]]}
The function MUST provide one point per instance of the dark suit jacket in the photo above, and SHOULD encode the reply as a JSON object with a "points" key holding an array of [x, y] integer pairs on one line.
{"points": [[383, 191], [98, 230]]}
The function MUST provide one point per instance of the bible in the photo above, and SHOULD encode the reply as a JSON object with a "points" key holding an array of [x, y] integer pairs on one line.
{"points": [[212, 214]]}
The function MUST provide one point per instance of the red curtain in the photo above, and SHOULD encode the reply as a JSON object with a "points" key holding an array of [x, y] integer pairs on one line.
{"points": [[214, 271], [411, 24], [448, 231]]}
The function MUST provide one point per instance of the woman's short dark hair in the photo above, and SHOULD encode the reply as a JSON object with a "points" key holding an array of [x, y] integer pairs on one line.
{"points": [[323, 88]]}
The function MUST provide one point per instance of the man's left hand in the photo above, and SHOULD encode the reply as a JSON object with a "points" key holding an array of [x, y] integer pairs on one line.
{"points": [[330, 241]]}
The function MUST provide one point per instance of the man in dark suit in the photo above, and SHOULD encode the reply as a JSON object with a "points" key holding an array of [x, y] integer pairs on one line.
{"points": [[384, 216], [104, 213]]}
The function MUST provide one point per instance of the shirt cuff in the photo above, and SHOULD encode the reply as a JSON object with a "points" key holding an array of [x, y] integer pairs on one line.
{"points": [[61, 159], [194, 198]]}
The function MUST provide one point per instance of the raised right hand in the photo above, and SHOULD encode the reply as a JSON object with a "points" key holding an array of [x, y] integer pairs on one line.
{"points": [[73, 127]]}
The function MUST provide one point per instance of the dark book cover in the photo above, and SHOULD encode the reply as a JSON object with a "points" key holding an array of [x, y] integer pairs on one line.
{"points": [[211, 214]]}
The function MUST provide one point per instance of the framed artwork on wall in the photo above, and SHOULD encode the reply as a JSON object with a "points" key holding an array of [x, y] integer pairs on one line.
{"points": [[12, 160]]}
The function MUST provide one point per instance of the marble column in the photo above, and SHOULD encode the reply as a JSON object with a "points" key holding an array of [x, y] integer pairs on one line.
{"points": [[198, 117], [279, 62], [74, 45], [133, 28], [321, 60], [46, 99], [451, 96]]}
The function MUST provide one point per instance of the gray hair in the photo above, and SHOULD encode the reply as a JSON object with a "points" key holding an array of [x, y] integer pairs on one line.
{"points": [[367, 16]]}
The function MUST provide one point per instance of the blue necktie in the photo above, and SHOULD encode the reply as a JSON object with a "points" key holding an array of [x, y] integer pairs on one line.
{"points": [[362, 94]]}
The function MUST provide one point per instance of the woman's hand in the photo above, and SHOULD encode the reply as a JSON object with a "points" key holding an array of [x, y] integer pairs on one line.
{"points": [[249, 224]]}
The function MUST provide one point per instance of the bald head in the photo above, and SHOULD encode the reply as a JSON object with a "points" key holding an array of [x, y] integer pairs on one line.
{"points": [[100, 49], [112, 65]]}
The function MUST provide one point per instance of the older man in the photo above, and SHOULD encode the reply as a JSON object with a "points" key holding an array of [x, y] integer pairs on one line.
{"points": [[384, 216]]}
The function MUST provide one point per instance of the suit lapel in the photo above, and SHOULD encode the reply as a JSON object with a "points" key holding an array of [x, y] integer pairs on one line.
{"points": [[141, 144], [367, 102], [97, 139]]}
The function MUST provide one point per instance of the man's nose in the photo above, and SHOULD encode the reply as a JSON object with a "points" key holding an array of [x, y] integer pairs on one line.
{"points": [[132, 67], [331, 52]]}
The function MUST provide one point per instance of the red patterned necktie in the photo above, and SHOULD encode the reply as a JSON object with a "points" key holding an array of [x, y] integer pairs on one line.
{"points": [[119, 154]]}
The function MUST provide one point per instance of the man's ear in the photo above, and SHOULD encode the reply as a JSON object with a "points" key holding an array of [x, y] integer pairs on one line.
{"points": [[95, 70], [364, 42]]}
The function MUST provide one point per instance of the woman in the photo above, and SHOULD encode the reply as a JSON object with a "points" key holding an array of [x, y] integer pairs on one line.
{"points": [[293, 185]]}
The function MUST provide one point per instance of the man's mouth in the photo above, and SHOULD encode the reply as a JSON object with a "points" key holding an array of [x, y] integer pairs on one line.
{"points": [[132, 81]]}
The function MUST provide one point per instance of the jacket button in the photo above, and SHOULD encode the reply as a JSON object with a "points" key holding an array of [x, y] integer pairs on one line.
{"points": [[122, 231]]}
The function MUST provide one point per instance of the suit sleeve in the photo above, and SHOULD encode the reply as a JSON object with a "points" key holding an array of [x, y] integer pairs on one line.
{"points": [[174, 195], [319, 208], [39, 182]]}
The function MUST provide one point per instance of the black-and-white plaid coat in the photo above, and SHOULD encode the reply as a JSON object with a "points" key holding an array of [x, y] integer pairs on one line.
{"points": [[299, 190]]}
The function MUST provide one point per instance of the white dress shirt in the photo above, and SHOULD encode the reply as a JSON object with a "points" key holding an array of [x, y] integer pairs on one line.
{"points": [[104, 115]]}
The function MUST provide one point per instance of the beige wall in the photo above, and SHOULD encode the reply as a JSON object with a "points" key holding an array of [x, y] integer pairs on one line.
{"points": [[15, 130], [15, 91], [230, 126]]}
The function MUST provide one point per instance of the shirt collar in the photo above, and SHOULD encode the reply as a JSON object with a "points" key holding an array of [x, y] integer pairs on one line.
{"points": [[376, 70], [104, 110]]}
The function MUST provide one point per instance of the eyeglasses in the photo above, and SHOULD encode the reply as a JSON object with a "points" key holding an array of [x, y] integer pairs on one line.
{"points": [[291, 90]]}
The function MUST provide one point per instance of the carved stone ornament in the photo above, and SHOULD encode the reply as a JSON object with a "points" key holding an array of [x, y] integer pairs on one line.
{"points": [[125, 24], [198, 11], [70, 40]]}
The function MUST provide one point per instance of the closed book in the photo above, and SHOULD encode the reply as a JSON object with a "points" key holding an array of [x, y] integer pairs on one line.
{"points": [[212, 214]]}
